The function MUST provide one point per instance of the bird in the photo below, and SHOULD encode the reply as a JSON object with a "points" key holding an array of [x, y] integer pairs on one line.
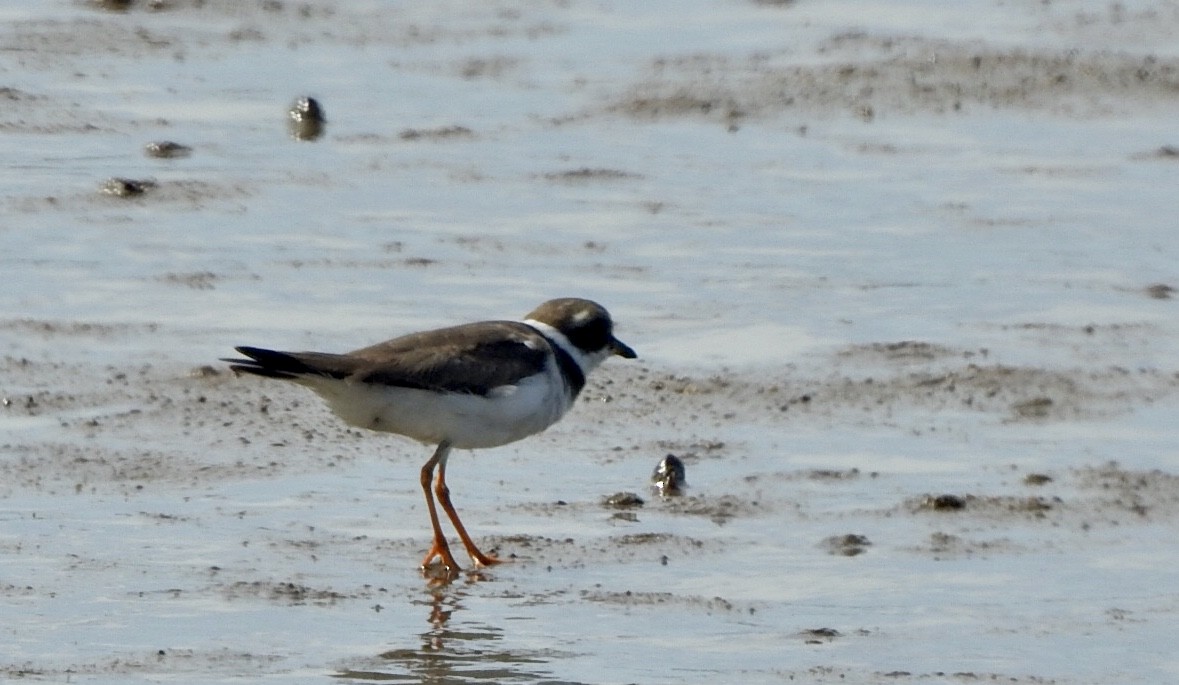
{"points": [[670, 477], [471, 386]]}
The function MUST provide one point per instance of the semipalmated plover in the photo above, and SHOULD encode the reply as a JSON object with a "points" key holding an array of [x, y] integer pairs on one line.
{"points": [[670, 476], [476, 385], [305, 119]]}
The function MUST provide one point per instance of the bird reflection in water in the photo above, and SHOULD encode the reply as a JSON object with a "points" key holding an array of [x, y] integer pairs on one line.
{"points": [[454, 650], [442, 607]]}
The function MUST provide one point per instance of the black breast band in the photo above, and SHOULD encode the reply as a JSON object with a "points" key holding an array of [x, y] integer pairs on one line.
{"points": [[570, 371]]}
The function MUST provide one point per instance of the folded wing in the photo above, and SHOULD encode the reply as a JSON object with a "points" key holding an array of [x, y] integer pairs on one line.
{"points": [[462, 359]]}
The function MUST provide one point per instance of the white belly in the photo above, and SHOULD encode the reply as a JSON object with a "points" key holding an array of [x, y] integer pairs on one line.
{"points": [[505, 415]]}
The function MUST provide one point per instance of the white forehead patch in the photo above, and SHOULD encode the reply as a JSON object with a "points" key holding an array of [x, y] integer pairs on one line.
{"points": [[582, 316]]}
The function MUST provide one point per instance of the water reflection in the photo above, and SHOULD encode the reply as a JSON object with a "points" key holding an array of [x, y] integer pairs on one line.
{"points": [[454, 650]]}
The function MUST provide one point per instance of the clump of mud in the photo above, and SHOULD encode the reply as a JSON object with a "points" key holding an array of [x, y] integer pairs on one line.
{"points": [[849, 545]]}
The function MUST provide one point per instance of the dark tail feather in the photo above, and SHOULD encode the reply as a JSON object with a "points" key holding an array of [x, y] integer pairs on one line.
{"points": [[269, 364], [292, 365]]}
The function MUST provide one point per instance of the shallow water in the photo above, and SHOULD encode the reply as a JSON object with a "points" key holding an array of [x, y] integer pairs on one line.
{"points": [[869, 253]]}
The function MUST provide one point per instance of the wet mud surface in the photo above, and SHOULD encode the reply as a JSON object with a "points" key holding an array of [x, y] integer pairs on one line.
{"points": [[900, 288], [151, 439]]}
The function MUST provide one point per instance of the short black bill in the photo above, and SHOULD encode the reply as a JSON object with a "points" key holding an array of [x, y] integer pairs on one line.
{"points": [[622, 349]]}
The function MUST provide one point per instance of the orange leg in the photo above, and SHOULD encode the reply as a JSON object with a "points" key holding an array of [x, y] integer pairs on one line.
{"points": [[439, 549], [443, 492]]}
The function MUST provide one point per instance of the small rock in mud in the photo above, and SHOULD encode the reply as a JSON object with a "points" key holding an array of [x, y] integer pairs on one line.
{"points": [[670, 477], [1160, 291], [849, 545], [126, 187], [623, 500], [815, 636], [1035, 408], [166, 149], [112, 5], [943, 502], [306, 119], [1037, 479]]}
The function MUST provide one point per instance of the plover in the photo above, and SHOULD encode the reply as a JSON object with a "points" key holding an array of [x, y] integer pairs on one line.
{"points": [[670, 476], [472, 386], [305, 119]]}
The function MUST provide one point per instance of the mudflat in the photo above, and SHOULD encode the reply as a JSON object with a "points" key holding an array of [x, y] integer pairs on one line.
{"points": [[900, 276]]}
